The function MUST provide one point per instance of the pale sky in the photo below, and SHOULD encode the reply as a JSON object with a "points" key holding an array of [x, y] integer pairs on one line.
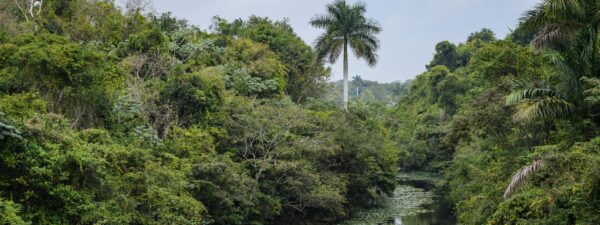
{"points": [[411, 28]]}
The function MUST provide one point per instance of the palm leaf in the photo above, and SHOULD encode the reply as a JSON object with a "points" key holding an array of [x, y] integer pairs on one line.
{"points": [[368, 26], [552, 33], [556, 20], [567, 8], [542, 109], [539, 104], [532, 93], [570, 79], [364, 49], [534, 18], [519, 178], [329, 46], [588, 38], [321, 21]]}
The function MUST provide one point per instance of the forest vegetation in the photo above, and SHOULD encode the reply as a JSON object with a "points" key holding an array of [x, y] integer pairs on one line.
{"points": [[113, 115], [367, 91]]}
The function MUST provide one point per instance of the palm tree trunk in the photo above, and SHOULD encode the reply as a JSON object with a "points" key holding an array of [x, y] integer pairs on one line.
{"points": [[346, 76]]}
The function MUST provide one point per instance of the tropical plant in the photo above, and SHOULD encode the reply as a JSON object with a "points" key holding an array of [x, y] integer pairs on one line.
{"points": [[539, 104], [558, 21], [567, 33], [345, 25], [567, 29], [519, 177], [551, 101]]}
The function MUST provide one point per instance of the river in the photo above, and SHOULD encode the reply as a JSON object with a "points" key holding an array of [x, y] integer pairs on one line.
{"points": [[417, 201]]}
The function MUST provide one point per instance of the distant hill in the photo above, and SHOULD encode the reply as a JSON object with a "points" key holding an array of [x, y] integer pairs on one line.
{"points": [[368, 90]]}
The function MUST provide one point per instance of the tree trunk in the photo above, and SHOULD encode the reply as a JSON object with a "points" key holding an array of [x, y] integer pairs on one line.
{"points": [[346, 76]]}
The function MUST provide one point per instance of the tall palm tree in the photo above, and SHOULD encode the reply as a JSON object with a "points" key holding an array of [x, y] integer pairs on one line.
{"points": [[345, 25]]}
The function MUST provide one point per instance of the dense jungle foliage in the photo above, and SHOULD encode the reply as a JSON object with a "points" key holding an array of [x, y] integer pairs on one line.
{"points": [[512, 126], [111, 115], [115, 116]]}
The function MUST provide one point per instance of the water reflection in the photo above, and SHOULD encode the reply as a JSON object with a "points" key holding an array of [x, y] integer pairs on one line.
{"points": [[441, 213], [414, 204]]}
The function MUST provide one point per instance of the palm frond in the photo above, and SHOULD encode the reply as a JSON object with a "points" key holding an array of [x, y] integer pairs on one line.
{"points": [[588, 39], [322, 21], [539, 104], [520, 83], [329, 46], [555, 20], [533, 93], [519, 178], [567, 8], [367, 38], [365, 47], [336, 9], [534, 18], [542, 109], [368, 26], [552, 33], [360, 7], [569, 77]]}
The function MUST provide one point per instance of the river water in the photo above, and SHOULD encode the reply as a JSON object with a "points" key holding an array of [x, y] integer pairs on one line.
{"points": [[415, 202]]}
